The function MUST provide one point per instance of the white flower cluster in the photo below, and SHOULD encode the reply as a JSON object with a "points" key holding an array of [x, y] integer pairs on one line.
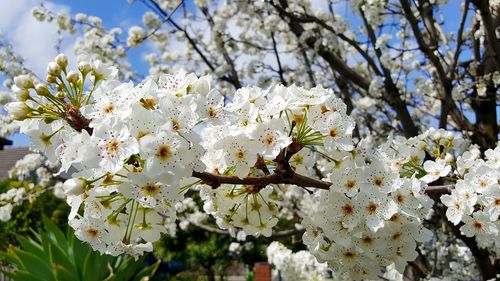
{"points": [[32, 176], [141, 151], [24, 167], [475, 201], [138, 149], [7, 127], [239, 206], [7, 202], [428, 155], [261, 123], [299, 266], [369, 219]]}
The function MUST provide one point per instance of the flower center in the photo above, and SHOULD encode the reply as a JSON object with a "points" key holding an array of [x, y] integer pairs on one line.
{"points": [[113, 146], [240, 154], [347, 209], [396, 236], [367, 240], [141, 134], [175, 125], [148, 104], [245, 122], [478, 225], [92, 232], [349, 255], [372, 208], [212, 113], [378, 181], [298, 118], [269, 139], [109, 108], [164, 152], [350, 184], [333, 133], [151, 189], [483, 183], [45, 139], [395, 218]]}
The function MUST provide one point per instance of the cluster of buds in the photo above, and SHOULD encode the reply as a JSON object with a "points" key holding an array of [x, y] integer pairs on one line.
{"points": [[62, 94]]}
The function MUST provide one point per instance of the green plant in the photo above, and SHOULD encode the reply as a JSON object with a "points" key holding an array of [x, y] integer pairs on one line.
{"points": [[27, 217], [52, 256]]}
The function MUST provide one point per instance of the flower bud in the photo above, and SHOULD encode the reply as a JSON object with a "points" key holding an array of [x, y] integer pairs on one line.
{"points": [[51, 79], [62, 60], [53, 69], [23, 81], [21, 94], [74, 186], [17, 110], [72, 76], [84, 67], [42, 90]]}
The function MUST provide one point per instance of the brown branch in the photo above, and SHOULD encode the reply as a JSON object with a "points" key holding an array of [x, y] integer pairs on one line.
{"points": [[437, 190], [278, 60], [336, 63], [392, 94], [305, 18], [156, 8], [310, 73], [215, 180], [233, 76], [448, 106], [487, 263], [489, 26], [460, 40]]}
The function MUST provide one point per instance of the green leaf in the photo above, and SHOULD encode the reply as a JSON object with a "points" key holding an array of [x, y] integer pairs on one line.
{"points": [[31, 246], [63, 274], [22, 276], [127, 268], [35, 265], [78, 251], [55, 233], [51, 255], [63, 265], [95, 267], [11, 258], [148, 271]]}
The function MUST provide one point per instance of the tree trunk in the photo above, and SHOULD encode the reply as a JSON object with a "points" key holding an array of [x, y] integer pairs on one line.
{"points": [[210, 274]]}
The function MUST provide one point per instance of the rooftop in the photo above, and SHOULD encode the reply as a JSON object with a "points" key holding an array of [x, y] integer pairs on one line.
{"points": [[8, 158]]}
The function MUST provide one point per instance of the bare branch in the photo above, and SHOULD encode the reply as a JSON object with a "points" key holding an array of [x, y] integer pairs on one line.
{"points": [[280, 68]]}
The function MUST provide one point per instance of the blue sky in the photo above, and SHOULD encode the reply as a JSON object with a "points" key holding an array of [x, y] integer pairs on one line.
{"points": [[17, 14]]}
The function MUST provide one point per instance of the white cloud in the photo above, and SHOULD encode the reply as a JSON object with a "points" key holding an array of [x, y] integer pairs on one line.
{"points": [[32, 39]]}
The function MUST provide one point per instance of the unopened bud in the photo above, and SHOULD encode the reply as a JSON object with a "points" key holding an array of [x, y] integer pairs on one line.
{"points": [[17, 110], [62, 60], [84, 67], [53, 69], [21, 94], [42, 90], [72, 76], [51, 79], [74, 186], [23, 81]]}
